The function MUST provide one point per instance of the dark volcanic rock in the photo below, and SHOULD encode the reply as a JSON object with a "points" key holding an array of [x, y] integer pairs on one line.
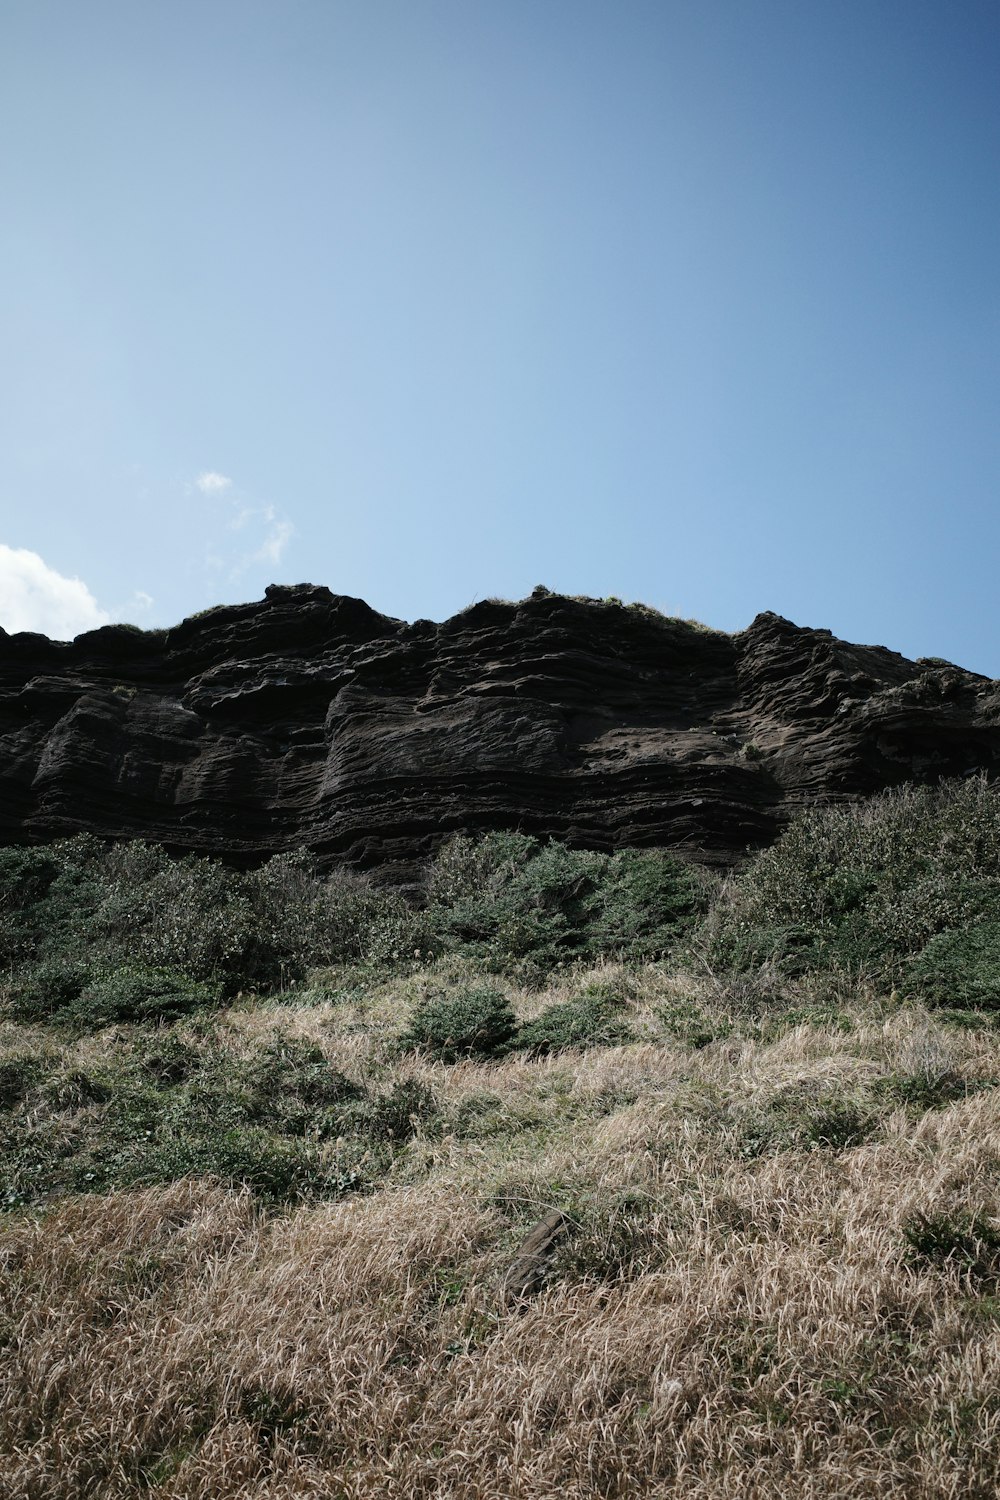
{"points": [[309, 719]]}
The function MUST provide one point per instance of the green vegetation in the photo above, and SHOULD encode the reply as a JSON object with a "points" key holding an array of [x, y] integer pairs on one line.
{"points": [[969, 1243], [903, 890], [476, 1022], [593, 1018], [161, 1103], [272, 1145], [77, 908], [513, 902], [479, 1021], [150, 635], [83, 923], [960, 967], [77, 994]]}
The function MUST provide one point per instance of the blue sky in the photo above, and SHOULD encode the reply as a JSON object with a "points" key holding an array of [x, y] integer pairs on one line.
{"points": [[695, 302]]}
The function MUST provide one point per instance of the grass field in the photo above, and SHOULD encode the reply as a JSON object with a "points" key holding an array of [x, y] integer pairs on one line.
{"points": [[778, 1273], [272, 1148]]}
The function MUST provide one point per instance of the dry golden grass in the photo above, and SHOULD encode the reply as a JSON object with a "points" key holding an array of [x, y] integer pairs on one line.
{"points": [[732, 1314]]}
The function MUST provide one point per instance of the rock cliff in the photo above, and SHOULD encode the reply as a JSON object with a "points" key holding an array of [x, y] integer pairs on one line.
{"points": [[309, 719]]}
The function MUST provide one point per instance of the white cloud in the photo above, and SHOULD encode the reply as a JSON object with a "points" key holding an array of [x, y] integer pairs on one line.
{"points": [[213, 483], [274, 544], [264, 530], [34, 596]]}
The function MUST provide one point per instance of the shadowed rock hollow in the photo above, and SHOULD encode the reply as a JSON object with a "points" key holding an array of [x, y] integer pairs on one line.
{"points": [[309, 719]]}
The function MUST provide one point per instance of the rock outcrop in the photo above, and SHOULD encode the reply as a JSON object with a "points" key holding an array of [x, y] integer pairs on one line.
{"points": [[309, 719]]}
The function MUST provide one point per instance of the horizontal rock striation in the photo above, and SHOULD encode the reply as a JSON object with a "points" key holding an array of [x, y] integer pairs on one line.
{"points": [[308, 719]]}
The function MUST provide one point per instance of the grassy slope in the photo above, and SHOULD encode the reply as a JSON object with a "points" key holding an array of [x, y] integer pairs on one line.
{"points": [[779, 1276]]}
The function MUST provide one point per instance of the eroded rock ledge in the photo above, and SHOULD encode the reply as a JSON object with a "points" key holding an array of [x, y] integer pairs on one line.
{"points": [[309, 719]]}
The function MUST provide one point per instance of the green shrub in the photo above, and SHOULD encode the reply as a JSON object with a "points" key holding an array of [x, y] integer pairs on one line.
{"points": [[25, 877], [219, 1120], [32, 1159], [133, 1152], [291, 1084], [510, 900], [259, 929], [643, 902], [299, 920], [591, 1019], [960, 968], [861, 889], [475, 1022], [134, 906], [137, 995], [365, 923], [398, 1114], [969, 1243], [507, 898], [47, 988], [46, 896], [169, 1104], [189, 914], [465, 867], [18, 1076]]}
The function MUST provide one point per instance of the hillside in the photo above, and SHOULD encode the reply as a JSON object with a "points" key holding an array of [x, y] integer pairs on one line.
{"points": [[309, 719], [591, 1175], [564, 1170]]}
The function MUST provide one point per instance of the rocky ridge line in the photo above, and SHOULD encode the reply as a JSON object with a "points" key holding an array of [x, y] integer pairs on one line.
{"points": [[307, 718]]}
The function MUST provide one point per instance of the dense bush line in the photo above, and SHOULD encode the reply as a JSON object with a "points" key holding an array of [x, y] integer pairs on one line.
{"points": [[903, 889], [507, 898], [91, 935]]}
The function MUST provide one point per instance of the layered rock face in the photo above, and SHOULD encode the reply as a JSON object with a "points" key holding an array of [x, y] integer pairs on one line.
{"points": [[308, 719]]}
